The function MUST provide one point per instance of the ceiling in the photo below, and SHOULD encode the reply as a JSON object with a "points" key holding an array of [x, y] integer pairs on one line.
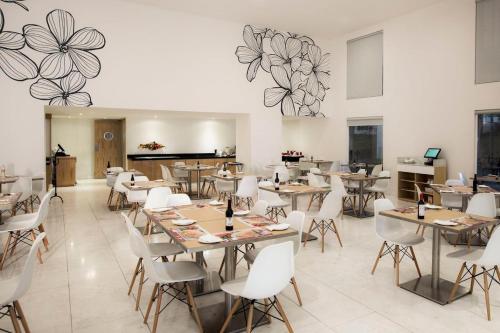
{"points": [[323, 18]]}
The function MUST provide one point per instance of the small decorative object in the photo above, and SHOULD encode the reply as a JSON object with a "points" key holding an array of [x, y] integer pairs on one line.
{"points": [[151, 146], [108, 136], [2, 171]]}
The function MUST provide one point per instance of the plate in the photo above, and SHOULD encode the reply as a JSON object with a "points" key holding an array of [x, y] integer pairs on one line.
{"points": [[160, 210], [295, 184], [430, 206], [215, 203], [241, 212], [209, 239], [446, 223], [159, 180], [287, 191], [483, 186], [278, 227], [183, 222], [136, 186]]}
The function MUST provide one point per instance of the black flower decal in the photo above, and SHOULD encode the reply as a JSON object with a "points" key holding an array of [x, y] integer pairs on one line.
{"points": [[67, 93]]}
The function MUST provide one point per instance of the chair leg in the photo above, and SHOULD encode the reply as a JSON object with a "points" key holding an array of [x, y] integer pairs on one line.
{"points": [[474, 269], [222, 265], [38, 253], [309, 232], [20, 312], [396, 259], [45, 240], [250, 317], [337, 233], [230, 315], [193, 306], [139, 289], [13, 318], [457, 283], [414, 257], [487, 293], [294, 283], [283, 315], [134, 276], [5, 250], [378, 257], [16, 240], [151, 301], [322, 236], [158, 308]]}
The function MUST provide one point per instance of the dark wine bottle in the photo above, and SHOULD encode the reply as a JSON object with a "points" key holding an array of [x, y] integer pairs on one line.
{"points": [[277, 182], [312, 158], [229, 216], [224, 170], [109, 165], [474, 184], [198, 164], [421, 207], [132, 180]]}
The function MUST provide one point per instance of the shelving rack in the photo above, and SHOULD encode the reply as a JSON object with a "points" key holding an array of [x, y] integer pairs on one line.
{"points": [[421, 175]]}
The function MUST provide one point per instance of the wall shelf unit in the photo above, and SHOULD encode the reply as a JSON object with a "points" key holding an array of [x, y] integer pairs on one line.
{"points": [[422, 175]]}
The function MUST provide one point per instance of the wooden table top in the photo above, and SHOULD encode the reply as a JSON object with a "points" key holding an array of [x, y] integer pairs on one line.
{"points": [[350, 176], [115, 173], [8, 179], [318, 161], [234, 177], [8, 200], [201, 167], [211, 220], [462, 190], [288, 166], [489, 178], [466, 222], [296, 189], [148, 185]]}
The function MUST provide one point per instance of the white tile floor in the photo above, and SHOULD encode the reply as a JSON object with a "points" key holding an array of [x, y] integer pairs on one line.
{"points": [[82, 286]]}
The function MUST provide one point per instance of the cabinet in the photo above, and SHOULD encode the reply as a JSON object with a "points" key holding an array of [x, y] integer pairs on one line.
{"points": [[66, 171], [422, 175]]}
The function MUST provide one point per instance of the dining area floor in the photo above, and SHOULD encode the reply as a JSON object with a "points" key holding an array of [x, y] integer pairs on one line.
{"points": [[82, 284]]}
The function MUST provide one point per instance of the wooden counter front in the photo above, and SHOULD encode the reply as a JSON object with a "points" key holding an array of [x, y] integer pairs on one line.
{"points": [[66, 171]]}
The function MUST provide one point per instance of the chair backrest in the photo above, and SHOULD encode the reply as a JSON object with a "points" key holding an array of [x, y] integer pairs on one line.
{"points": [[122, 177], [335, 166], [304, 165], [115, 169], [179, 172], [165, 172], [24, 280], [338, 185], [454, 182], [283, 173], [383, 184], [483, 204], [110, 180], [419, 191], [134, 246], [376, 170], [314, 170], [361, 172], [332, 206], [138, 196], [157, 197], [267, 195], [491, 254], [463, 178], [179, 199], [248, 187], [221, 172], [43, 210], [296, 220], [260, 208], [23, 185], [384, 225], [271, 271]]}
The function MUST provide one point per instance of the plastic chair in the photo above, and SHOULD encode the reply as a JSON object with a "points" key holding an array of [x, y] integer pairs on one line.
{"points": [[209, 182], [335, 167], [296, 221], [120, 189], [377, 169], [22, 283], [379, 188], [481, 204], [269, 275], [283, 174], [324, 221], [167, 175], [353, 185], [23, 185], [276, 204], [397, 241], [111, 176], [246, 191], [179, 173], [260, 208], [316, 181], [157, 250], [164, 275], [224, 188], [137, 198], [463, 179], [338, 186], [23, 228], [179, 199], [452, 200], [488, 265], [156, 198]]}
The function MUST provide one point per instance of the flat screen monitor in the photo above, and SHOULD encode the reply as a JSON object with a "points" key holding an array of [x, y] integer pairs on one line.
{"points": [[432, 153]]}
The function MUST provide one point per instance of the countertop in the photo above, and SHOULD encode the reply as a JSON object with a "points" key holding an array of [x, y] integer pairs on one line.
{"points": [[200, 156]]}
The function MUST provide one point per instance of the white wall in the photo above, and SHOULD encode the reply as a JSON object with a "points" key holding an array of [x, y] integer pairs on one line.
{"points": [[180, 135], [77, 138]]}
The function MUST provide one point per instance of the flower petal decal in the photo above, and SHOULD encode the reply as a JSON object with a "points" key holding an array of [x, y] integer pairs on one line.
{"points": [[68, 61], [296, 64]]}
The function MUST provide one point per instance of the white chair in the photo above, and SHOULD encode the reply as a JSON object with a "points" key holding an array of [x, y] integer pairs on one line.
{"points": [[164, 275], [209, 183], [283, 174], [324, 221], [157, 250], [260, 208], [167, 175], [23, 229], [269, 275], [224, 188], [18, 288], [376, 170], [338, 186], [23, 185], [463, 179], [481, 204], [180, 173], [246, 191], [335, 166], [396, 240], [452, 200], [353, 185], [379, 188], [137, 198], [296, 221], [111, 174], [316, 181], [488, 264], [179, 199], [156, 198], [121, 190], [38, 188], [276, 204]]}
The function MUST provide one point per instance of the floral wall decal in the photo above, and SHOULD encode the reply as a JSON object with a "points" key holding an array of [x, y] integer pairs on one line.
{"points": [[295, 62], [68, 63]]}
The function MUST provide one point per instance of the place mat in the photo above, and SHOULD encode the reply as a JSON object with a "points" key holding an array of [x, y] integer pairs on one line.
{"points": [[256, 221], [243, 234], [406, 210], [187, 233], [469, 221]]}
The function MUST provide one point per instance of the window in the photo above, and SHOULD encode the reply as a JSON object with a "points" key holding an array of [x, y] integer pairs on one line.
{"points": [[488, 143], [365, 66], [487, 41], [365, 141]]}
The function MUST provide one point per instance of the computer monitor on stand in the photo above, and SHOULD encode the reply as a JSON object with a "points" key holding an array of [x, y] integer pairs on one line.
{"points": [[431, 154]]}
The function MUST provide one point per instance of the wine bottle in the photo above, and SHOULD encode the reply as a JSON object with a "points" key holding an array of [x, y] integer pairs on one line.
{"points": [[474, 184], [109, 165], [421, 207], [312, 158], [229, 216], [198, 164], [224, 170], [132, 180], [277, 182]]}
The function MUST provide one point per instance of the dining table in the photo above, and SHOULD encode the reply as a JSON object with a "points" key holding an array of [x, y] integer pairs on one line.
{"points": [[7, 180], [235, 178], [7, 202], [148, 185], [294, 191], [318, 162], [210, 219], [432, 286], [197, 169]]}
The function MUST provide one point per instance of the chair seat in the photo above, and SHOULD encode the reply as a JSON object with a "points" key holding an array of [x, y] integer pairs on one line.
{"points": [[21, 218], [18, 222], [179, 271], [164, 249], [407, 239], [278, 204], [7, 290], [375, 189], [484, 263], [234, 287]]}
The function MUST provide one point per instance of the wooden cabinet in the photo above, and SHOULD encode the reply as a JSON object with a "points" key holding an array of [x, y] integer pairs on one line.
{"points": [[410, 175], [66, 171]]}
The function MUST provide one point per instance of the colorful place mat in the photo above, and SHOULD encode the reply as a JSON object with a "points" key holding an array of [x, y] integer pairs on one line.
{"points": [[469, 221], [256, 221], [243, 234], [187, 233], [406, 210]]}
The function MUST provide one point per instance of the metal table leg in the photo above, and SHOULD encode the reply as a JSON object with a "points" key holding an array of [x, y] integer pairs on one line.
{"points": [[190, 176], [432, 286], [361, 197], [198, 174]]}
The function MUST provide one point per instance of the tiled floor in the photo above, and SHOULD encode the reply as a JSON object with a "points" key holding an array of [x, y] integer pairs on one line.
{"points": [[82, 286]]}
